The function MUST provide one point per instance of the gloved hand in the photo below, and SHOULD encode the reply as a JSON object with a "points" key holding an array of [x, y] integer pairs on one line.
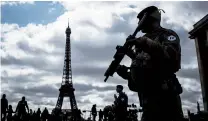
{"points": [[140, 42], [122, 71], [130, 37], [129, 52], [130, 40]]}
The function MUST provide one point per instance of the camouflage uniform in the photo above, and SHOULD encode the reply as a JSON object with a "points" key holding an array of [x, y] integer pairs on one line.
{"points": [[152, 72], [152, 75]]}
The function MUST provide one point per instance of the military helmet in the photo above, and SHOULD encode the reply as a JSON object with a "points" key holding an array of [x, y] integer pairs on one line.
{"points": [[151, 11]]}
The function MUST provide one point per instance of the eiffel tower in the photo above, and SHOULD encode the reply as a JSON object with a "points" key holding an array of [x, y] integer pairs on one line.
{"points": [[67, 89]]}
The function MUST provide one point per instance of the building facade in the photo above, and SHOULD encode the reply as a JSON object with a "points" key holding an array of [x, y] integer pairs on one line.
{"points": [[200, 35]]}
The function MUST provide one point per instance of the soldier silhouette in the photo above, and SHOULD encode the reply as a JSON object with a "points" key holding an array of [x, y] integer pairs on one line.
{"points": [[4, 107], [94, 112], [21, 111], [121, 103], [155, 60]]}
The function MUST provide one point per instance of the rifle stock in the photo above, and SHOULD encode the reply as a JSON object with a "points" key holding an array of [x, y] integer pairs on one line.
{"points": [[120, 53]]}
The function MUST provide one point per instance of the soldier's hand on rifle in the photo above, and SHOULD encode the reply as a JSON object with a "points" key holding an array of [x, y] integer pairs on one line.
{"points": [[130, 40], [130, 37], [120, 50], [140, 42], [143, 42], [122, 71], [131, 53]]}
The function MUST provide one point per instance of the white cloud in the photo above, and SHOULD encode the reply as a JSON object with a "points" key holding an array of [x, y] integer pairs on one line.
{"points": [[179, 15]]}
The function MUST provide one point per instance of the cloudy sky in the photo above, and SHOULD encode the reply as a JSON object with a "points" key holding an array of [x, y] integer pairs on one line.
{"points": [[33, 41]]}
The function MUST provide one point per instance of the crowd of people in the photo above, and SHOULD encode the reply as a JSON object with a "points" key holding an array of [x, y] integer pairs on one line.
{"points": [[8, 114], [115, 112], [120, 110], [23, 113]]}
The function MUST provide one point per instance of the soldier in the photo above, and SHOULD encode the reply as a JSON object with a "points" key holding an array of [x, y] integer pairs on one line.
{"points": [[21, 108], [94, 112], [121, 103], [100, 115], [155, 60], [4, 107]]}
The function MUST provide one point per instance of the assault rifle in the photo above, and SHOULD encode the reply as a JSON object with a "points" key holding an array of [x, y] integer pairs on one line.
{"points": [[120, 53]]}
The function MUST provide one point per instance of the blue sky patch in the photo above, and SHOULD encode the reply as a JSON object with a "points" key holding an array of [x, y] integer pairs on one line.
{"points": [[37, 13]]}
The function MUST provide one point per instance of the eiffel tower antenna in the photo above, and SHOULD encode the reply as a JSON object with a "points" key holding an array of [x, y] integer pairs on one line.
{"points": [[68, 22]]}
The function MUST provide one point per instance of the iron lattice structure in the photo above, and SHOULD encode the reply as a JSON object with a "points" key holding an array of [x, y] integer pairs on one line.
{"points": [[67, 89]]}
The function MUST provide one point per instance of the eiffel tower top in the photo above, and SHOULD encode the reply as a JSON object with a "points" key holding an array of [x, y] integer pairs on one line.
{"points": [[68, 29]]}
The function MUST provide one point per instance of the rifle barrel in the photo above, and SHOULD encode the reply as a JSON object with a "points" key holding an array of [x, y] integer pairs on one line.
{"points": [[106, 78]]}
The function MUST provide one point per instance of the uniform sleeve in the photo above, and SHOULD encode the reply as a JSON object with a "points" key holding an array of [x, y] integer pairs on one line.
{"points": [[171, 50], [171, 45], [167, 49], [168, 45]]}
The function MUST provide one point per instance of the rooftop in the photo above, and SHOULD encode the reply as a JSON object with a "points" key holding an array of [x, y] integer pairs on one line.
{"points": [[200, 25]]}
